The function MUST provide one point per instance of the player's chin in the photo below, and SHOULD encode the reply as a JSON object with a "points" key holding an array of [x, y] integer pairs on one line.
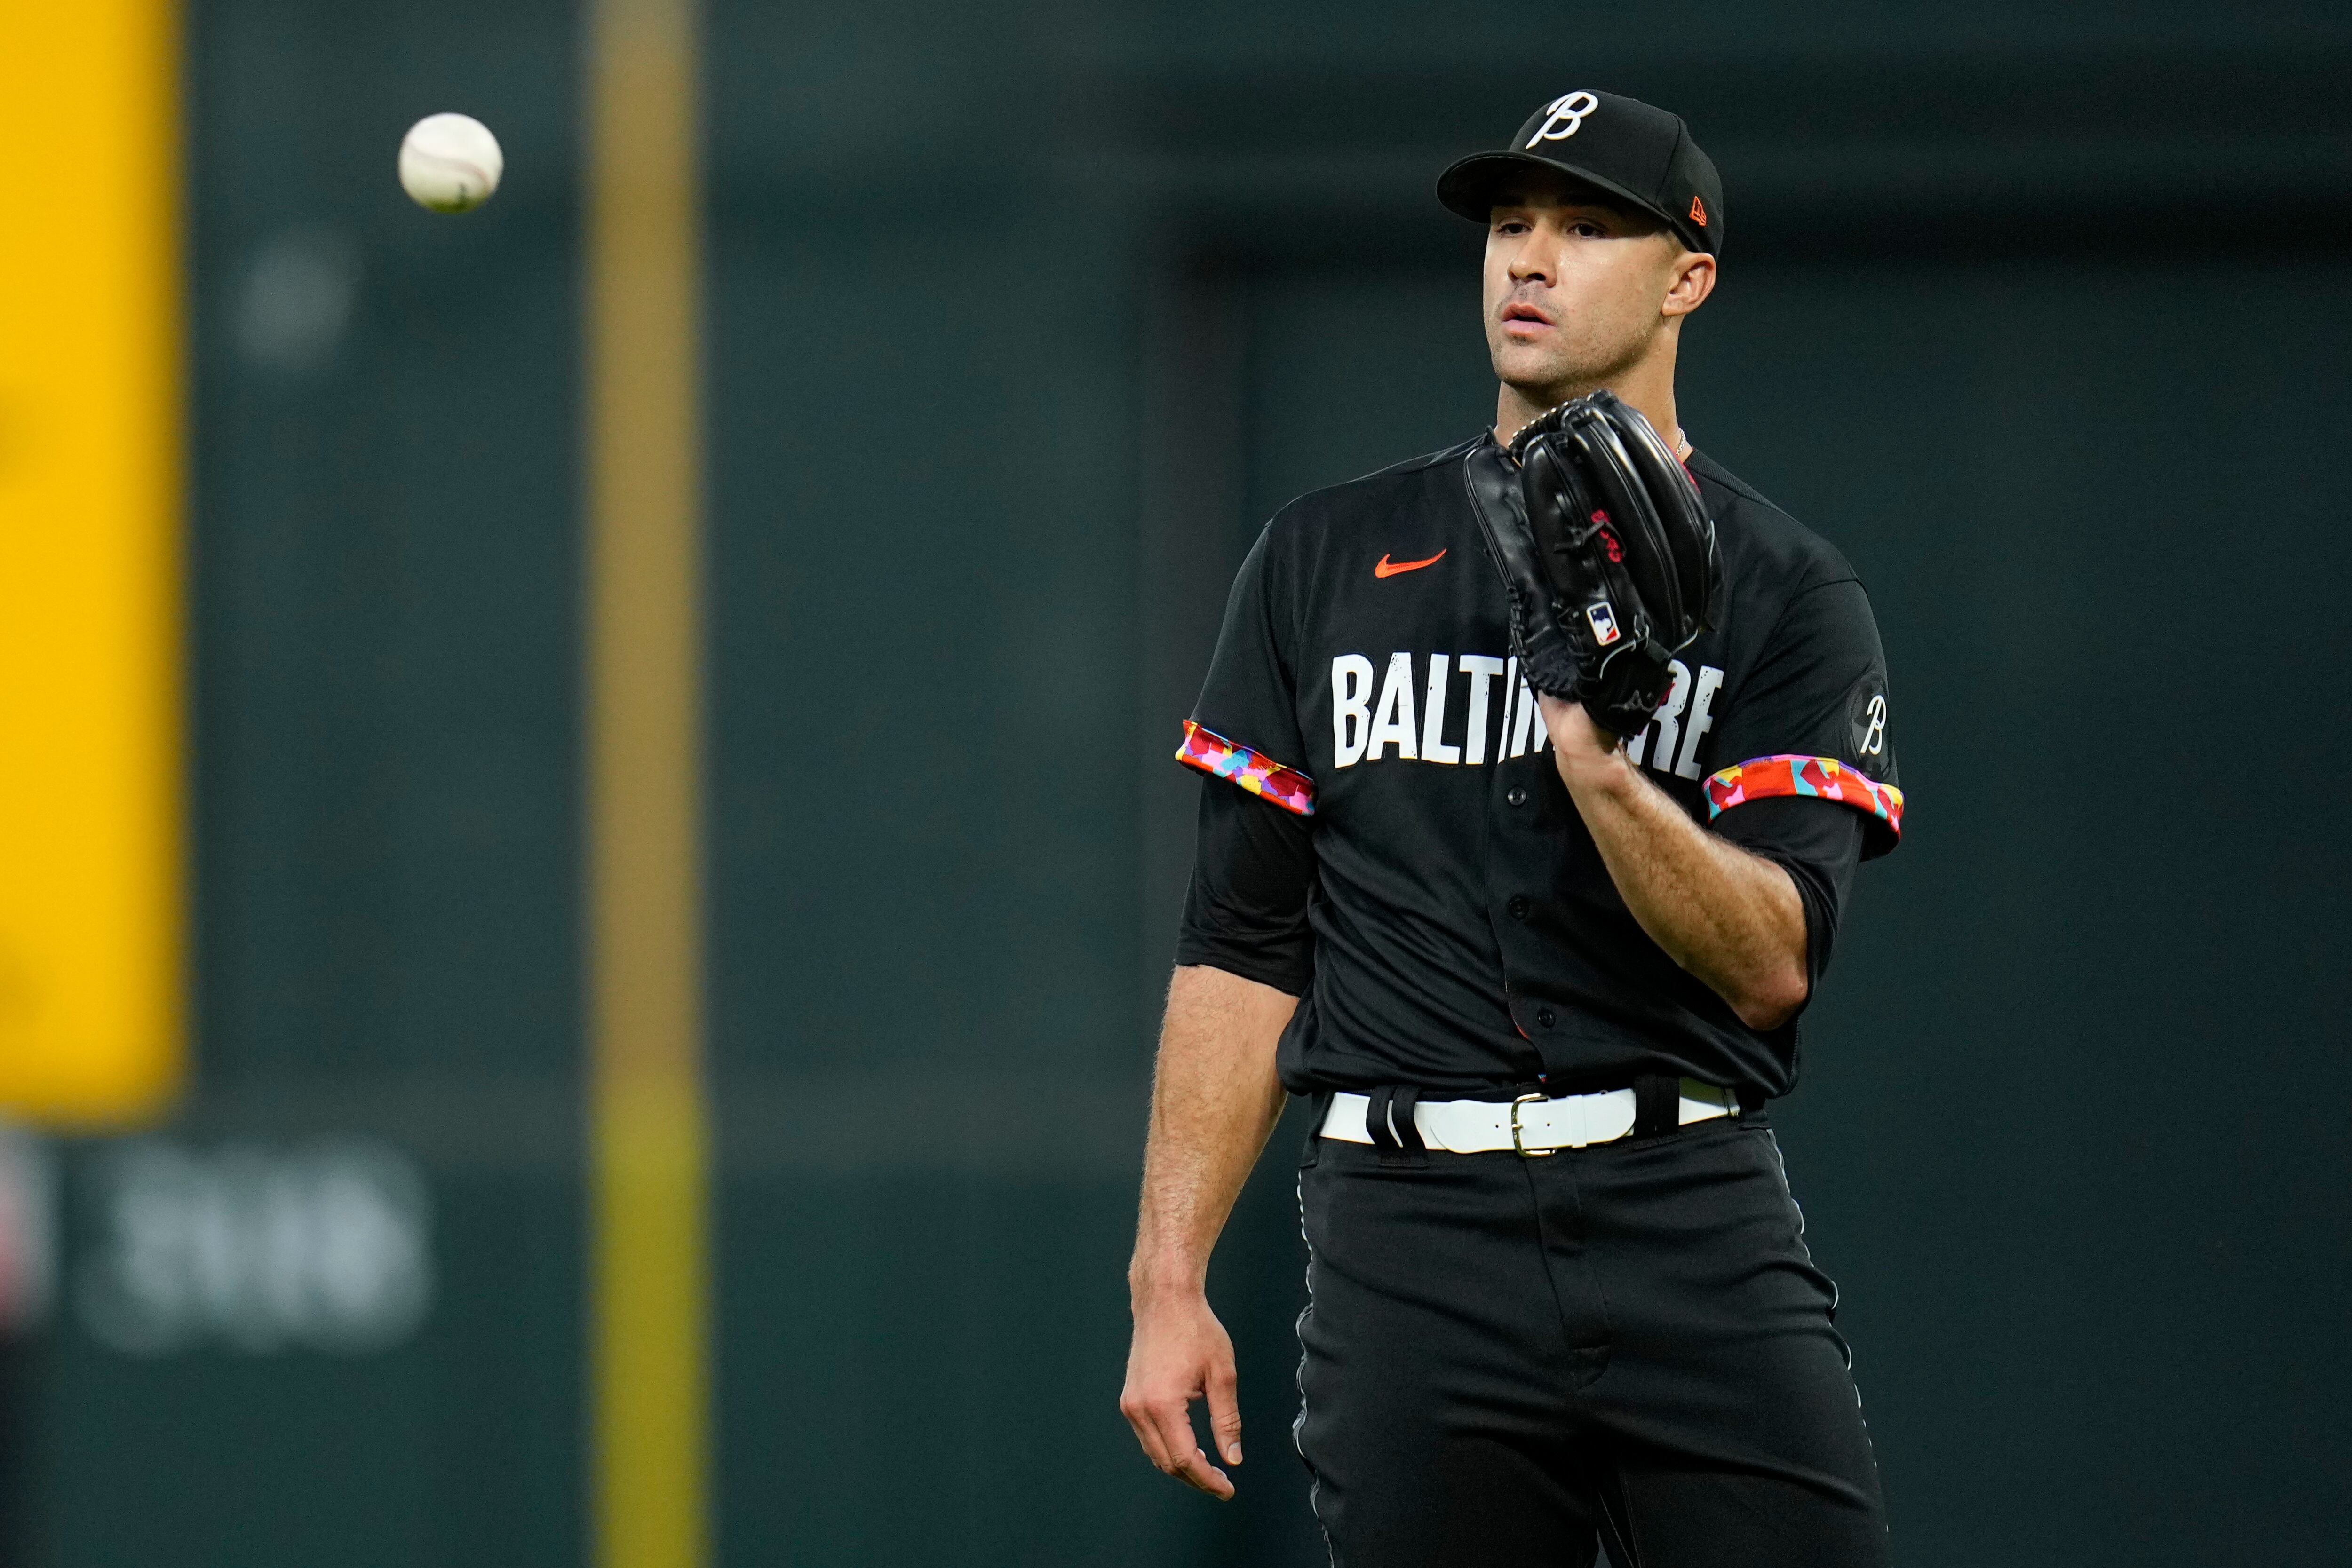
{"points": [[1542, 385], [1533, 368]]}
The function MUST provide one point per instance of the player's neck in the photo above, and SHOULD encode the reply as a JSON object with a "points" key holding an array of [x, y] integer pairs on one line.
{"points": [[1648, 385]]}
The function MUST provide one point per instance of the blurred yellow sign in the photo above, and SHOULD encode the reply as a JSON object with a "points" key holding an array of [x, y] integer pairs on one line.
{"points": [[91, 997]]}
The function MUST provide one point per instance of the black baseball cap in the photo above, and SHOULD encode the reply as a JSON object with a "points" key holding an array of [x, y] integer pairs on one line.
{"points": [[1621, 146]]}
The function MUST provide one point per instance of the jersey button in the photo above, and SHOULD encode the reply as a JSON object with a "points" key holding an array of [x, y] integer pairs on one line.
{"points": [[1546, 1017], [1517, 797], [1518, 906]]}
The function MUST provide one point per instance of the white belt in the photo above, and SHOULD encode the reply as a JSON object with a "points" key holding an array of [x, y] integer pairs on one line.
{"points": [[1531, 1124]]}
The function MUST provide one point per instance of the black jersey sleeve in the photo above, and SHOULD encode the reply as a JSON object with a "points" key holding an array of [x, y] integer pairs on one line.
{"points": [[1253, 874], [1818, 845], [1245, 728], [1811, 720]]}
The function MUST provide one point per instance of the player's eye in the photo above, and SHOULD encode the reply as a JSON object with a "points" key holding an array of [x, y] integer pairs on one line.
{"points": [[1585, 228]]}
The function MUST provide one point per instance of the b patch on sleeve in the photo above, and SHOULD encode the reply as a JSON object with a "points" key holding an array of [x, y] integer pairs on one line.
{"points": [[1865, 713], [1253, 771]]}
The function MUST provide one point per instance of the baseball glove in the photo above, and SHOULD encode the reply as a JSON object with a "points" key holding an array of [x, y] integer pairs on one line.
{"points": [[1609, 556]]}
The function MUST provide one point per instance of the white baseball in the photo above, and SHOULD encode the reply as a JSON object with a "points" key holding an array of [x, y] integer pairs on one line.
{"points": [[450, 162]]}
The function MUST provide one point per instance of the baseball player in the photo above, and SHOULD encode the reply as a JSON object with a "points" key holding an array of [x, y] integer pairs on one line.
{"points": [[1539, 770]]}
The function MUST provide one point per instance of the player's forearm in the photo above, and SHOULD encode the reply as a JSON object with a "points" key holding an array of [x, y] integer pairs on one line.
{"points": [[1729, 918], [1214, 1101]]}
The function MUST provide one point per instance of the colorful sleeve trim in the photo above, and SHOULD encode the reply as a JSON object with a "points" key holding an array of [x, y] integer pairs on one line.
{"points": [[1260, 775], [1823, 777]]}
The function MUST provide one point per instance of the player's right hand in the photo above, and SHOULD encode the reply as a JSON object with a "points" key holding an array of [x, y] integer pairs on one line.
{"points": [[1180, 1352]]}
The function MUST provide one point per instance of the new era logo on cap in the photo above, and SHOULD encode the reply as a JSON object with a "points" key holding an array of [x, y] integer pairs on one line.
{"points": [[1698, 212]]}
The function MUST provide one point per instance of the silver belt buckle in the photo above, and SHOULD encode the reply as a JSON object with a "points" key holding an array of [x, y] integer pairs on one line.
{"points": [[1518, 1140]]}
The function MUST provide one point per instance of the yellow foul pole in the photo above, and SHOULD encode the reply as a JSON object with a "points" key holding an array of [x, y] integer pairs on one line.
{"points": [[91, 880], [649, 1253]]}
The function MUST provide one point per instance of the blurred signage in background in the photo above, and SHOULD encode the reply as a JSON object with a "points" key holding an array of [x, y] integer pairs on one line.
{"points": [[27, 1230], [90, 994], [252, 1248]]}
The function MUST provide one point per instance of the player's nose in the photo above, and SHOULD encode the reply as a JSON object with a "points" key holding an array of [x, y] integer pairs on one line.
{"points": [[1536, 261]]}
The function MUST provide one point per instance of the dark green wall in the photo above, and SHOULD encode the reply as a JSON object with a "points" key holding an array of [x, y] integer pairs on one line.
{"points": [[1020, 321]]}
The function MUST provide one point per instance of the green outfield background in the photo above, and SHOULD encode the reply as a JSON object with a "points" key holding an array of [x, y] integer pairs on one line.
{"points": [[1019, 320]]}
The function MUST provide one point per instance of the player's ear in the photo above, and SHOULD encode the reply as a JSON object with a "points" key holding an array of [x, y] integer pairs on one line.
{"points": [[1688, 283]]}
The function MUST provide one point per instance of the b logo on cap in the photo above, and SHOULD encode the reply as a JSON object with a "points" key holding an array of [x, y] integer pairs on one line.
{"points": [[1567, 110]]}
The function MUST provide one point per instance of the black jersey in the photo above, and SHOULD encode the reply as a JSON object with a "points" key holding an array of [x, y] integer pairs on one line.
{"points": [[1407, 858]]}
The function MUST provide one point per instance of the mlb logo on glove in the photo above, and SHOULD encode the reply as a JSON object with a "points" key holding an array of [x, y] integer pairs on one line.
{"points": [[1605, 623]]}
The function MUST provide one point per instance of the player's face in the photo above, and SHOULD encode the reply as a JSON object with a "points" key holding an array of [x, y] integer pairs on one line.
{"points": [[1577, 292]]}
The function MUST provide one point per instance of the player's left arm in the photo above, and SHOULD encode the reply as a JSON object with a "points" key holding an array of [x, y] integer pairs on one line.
{"points": [[1727, 915]]}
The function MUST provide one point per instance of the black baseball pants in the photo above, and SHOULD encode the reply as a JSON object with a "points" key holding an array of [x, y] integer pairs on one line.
{"points": [[1509, 1359]]}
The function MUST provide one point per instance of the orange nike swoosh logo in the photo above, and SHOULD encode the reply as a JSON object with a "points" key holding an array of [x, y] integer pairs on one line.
{"points": [[1387, 568]]}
